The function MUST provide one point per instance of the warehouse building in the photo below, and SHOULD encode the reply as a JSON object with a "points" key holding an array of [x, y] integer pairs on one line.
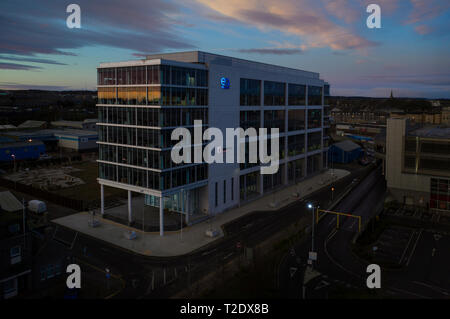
{"points": [[21, 150], [345, 152]]}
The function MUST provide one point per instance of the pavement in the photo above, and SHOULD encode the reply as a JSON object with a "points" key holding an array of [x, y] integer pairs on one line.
{"points": [[193, 237]]}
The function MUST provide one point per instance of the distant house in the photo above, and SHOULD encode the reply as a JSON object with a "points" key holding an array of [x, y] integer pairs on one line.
{"points": [[344, 152], [15, 248]]}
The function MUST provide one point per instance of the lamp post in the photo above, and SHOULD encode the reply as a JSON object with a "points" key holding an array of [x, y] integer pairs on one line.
{"points": [[313, 207], [14, 159]]}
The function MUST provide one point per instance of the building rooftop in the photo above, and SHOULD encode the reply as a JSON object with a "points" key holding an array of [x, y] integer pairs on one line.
{"points": [[431, 131], [9, 202], [20, 144], [51, 132], [200, 57], [347, 145], [31, 124]]}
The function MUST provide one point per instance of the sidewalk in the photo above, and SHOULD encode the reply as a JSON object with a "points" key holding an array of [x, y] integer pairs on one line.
{"points": [[193, 237]]}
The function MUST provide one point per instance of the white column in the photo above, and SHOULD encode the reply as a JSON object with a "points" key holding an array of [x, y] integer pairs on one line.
{"points": [[129, 206], [102, 200], [161, 216]]}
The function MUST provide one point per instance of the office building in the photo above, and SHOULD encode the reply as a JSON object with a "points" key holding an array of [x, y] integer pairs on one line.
{"points": [[418, 164], [141, 102]]}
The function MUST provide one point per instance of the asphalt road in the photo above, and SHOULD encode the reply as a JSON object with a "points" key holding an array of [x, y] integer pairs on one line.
{"points": [[425, 276]]}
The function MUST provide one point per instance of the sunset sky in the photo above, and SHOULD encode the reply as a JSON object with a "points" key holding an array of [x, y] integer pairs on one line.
{"points": [[409, 54]]}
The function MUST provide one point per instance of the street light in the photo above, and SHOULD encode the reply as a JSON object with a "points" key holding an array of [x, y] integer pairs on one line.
{"points": [[332, 192], [312, 206]]}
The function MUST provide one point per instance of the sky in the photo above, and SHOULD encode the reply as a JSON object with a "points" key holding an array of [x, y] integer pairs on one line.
{"points": [[408, 55]]}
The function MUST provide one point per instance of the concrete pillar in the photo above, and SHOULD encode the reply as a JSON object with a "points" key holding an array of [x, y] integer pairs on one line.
{"points": [[102, 199], [129, 207], [161, 216]]}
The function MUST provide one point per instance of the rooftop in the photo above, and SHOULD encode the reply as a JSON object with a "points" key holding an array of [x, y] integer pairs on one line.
{"points": [[347, 145], [431, 131], [200, 57], [9, 202]]}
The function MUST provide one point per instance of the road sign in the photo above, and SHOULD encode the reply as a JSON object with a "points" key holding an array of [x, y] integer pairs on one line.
{"points": [[312, 255], [292, 271]]}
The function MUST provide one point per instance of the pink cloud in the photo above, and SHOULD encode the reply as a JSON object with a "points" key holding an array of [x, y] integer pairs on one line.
{"points": [[304, 18]]}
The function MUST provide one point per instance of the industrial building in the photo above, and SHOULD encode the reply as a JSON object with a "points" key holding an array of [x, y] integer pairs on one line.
{"points": [[344, 152], [78, 140], [88, 124], [13, 151], [418, 164], [141, 102]]}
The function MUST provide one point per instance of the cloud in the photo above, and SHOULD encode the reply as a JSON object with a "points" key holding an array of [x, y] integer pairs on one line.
{"points": [[39, 27], [15, 66], [423, 29], [27, 59], [275, 51], [424, 10], [303, 18]]}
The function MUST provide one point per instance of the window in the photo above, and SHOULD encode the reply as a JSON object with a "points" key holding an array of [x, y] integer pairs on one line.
{"points": [[15, 251], [250, 92], [274, 93], [314, 118], [314, 95], [296, 120], [297, 94]]}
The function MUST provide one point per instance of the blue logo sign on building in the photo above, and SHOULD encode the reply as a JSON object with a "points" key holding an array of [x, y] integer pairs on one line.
{"points": [[224, 83]]}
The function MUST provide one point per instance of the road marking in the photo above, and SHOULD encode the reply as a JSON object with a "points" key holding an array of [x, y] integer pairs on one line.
{"points": [[438, 289], [414, 248], [406, 248], [332, 234], [321, 285]]}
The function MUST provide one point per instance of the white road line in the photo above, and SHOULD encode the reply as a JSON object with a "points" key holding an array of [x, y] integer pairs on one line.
{"points": [[435, 288], [414, 248], [406, 248]]}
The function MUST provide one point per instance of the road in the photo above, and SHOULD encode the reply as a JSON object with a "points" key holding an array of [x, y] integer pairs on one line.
{"points": [[339, 266], [156, 277]]}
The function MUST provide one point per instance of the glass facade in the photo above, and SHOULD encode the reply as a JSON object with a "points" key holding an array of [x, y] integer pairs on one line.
{"points": [[275, 119], [314, 141], [250, 119], [250, 92], [135, 140], [314, 118], [274, 93], [296, 145], [314, 95], [440, 194], [296, 120], [297, 94]]}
